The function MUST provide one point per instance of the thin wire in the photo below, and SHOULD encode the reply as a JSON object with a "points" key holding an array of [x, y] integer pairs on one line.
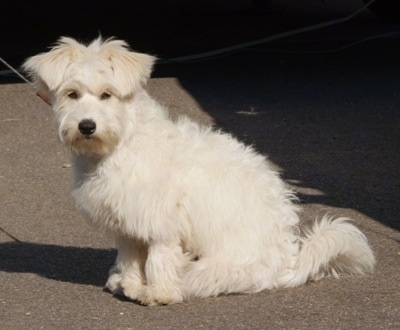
{"points": [[326, 51], [337, 49], [281, 35], [11, 236]]}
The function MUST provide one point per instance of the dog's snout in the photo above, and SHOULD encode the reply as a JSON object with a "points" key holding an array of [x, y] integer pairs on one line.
{"points": [[87, 127]]}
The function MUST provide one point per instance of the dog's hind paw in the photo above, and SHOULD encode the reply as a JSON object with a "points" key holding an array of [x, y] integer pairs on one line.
{"points": [[154, 296]]}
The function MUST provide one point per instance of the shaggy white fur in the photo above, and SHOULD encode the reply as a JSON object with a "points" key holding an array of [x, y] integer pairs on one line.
{"points": [[194, 212]]}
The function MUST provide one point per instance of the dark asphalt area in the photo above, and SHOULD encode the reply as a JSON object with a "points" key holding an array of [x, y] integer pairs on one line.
{"points": [[323, 105]]}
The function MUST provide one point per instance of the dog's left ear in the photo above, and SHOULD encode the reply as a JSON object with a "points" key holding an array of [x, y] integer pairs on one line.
{"points": [[131, 69]]}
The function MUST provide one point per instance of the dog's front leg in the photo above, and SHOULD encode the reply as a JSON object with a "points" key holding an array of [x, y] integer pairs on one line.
{"points": [[127, 275], [164, 268]]}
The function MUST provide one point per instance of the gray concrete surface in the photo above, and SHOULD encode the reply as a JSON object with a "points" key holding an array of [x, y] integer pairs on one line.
{"points": [[329, 121]]}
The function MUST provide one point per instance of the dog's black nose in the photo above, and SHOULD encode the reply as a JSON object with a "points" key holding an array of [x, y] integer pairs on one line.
{"points": [[87, 127]]}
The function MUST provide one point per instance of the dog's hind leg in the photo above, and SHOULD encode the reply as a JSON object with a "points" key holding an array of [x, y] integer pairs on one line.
{"points": [[211, 277], [127, 275], [164, 268]]}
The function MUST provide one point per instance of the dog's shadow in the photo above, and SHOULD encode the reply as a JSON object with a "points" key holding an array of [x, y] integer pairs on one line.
{"points": [[79, 265]]}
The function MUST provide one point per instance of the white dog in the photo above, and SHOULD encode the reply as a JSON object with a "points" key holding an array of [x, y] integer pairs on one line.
{"points": [[193, 212]]}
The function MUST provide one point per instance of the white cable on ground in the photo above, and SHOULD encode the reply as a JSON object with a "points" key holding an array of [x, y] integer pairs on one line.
{"points": [[4, 72]]}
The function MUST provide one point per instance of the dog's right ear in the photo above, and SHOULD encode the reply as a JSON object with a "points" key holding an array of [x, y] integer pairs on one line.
{"points": [[32, 68], [46, 69]]}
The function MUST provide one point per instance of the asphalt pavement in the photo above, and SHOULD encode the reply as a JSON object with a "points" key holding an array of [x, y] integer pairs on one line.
{"points": [[323, 106]]}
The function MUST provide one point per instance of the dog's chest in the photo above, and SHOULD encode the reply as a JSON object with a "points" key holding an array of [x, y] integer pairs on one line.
{"points": [[131, 199], [106, 196]]}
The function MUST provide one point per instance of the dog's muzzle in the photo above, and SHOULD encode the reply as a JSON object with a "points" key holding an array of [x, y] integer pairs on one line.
{"points": [[87, 127]]}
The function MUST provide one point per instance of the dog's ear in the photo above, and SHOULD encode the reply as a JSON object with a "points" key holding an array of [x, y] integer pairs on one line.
{"points": [[47, 69], [131, 69]]}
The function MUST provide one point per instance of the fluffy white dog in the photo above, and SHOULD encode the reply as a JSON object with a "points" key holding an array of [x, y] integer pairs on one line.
{"points": [[193, 212]]}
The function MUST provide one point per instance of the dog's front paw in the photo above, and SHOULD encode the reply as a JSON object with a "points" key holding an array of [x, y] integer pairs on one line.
{"points": [[131, 288], [114, 283], [155, 295]]}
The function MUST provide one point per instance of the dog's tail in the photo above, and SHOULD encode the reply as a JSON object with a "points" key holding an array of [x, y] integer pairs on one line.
{"points": [[331, 248]]}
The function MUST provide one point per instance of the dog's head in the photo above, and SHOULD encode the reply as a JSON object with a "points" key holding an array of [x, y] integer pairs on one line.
{"points": [[89, 87]]}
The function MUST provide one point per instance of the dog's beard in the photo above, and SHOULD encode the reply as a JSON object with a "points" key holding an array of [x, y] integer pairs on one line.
{"points": [[96, 144]]}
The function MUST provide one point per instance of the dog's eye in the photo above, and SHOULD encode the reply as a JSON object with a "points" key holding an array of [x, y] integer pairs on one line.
{"points": [[73, 95], [105, 95]]}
